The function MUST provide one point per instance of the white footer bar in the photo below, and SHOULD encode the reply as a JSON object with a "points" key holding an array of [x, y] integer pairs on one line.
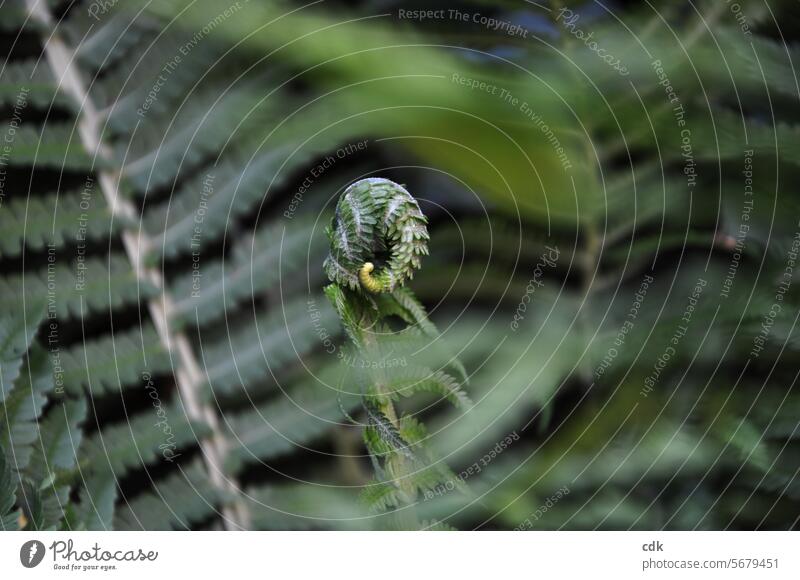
{"points": [[400, 555]]}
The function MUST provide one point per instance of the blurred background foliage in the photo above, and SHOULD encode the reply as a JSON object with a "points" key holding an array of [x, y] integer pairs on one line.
{"points": [[168, 360]]}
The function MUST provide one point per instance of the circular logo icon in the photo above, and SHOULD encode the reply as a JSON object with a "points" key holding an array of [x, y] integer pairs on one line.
{"points": [[31, 553]]}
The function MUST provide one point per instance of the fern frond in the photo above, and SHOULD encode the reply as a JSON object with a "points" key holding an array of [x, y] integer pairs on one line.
{"points": [[143, 439], [209, 201], [59, 440], [436, 526], [273, 254], [54, 457], [32, 80], [747, 442], [33, 508], [95, 510], [56, 145], [94, 285], [18, 326], [408, 307], [262, 346], [382, 436], [199, 129], [179, 501], [276, 428], [406, 381], [760, 62], [725, 139], [15, 17], [781, 420], [303, 507], [783, 479], [103, 45], [417, 317], [59, 219], [376, 216], [381, 496], [124, 93], [8, 494], [20, 412], [351, 312]]}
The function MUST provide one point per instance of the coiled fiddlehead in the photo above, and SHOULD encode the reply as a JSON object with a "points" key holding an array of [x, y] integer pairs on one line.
{"points": [[376, 221], [378, 237]]}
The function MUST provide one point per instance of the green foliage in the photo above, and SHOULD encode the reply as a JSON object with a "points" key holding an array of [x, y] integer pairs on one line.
{"points": [[229, 189], [263, 346], [111, 364], [204, 255], [52, 465], [301, 507], [34, 82], [279, 427], [95, 510], [258, 263], [18, 325], [22, 408], [55, 219], [37, 453], [376, 216], [8, 497], [138, 442], [56, 146], [91, 285], [417, 379], [177, 502]]}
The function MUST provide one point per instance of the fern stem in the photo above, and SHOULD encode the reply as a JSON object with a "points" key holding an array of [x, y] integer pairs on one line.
{"points": [[377, 239], [188, 376], [401, 466]]}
